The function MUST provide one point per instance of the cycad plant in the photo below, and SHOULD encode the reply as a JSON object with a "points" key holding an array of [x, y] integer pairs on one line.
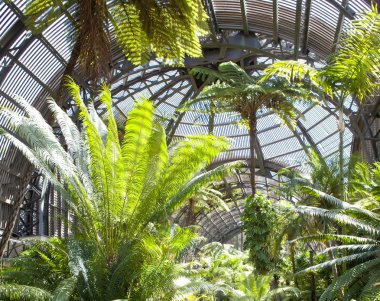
{"points": [[357, 247], [234, 90], [169, 29], [121, 194]]}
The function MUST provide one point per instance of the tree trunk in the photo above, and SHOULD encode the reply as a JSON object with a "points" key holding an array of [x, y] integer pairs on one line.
{"points": [[292, 258], [252, 145], [313, 296], [190, 216], [69, 70]]}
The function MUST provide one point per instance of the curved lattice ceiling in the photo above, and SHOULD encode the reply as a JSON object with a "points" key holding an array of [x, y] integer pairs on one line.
{"points": [[252, 33]]}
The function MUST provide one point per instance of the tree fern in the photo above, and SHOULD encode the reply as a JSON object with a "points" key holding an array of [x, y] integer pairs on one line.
{"points": [[232, 89], [169, 29]]}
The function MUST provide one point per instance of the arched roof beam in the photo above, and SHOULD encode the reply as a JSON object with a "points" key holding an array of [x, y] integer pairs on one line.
{"points": [[275, 22], [306, 21], [244, 17], [339, 26], [297, 29], [346, 12]]}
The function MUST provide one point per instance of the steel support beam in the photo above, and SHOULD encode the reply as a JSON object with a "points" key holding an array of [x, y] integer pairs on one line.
{"points": [[347, 13], [305, 36], [297, 29], [244, 17], [339, 26], [276, 39]]}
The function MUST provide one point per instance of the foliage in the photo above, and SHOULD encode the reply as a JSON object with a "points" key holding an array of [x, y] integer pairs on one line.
{"points": [[234, 90], [259, 221], [228, 276], [222, 267], [351, 70], [257, 288], [134, 23], [121, 195], [356, 248]]}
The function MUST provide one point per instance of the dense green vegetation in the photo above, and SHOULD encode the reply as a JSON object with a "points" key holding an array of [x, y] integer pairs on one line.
{"points": [[320, 241], [121, 193]]}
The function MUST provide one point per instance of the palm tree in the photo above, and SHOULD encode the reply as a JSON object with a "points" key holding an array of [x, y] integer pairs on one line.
{"points": [[134, 24], [120, 193], [233, 90], [351, 70]]}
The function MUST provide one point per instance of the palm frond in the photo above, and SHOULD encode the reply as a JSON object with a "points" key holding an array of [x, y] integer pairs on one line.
{"points": [[23, 292], [347, 279], [64, 291]]}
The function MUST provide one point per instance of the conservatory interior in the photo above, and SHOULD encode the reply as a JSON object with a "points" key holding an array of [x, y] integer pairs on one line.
{"points": [[190, 150]]}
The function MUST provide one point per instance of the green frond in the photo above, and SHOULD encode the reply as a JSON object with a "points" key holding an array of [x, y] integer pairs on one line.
{"points": [[42, 13], [354, 248], [371, 290], [354, 68], [344, 259], [193, 185], [296, 71], [64, 291], [342, 282], [138, 130], [346, 239], [337, 216], [23, 292], [69, 129]]}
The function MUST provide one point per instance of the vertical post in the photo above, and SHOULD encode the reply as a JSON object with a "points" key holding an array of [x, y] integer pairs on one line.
{"points": [[43, 210]]}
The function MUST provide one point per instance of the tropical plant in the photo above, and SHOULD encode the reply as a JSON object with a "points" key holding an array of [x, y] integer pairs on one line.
{"points": [[226, 274], [259, 219], [134, 23], [258, 288], [121, 194], [205, 200], [353, 70], [357, 247], [234, 90], [221, 267]]}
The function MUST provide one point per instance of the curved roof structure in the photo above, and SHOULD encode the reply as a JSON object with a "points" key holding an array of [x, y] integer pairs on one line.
{"points": [[253, 33]]}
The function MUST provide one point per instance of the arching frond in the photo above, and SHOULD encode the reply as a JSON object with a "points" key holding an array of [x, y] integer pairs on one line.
{"points": [[347, 279], [23, 292], [64, 291]]}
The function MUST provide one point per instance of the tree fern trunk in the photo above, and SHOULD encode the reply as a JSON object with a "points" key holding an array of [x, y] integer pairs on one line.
{"points": [[190, 216], [293, 260], [341, 129], [252, 142], [69, 70], [313, 296]]}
